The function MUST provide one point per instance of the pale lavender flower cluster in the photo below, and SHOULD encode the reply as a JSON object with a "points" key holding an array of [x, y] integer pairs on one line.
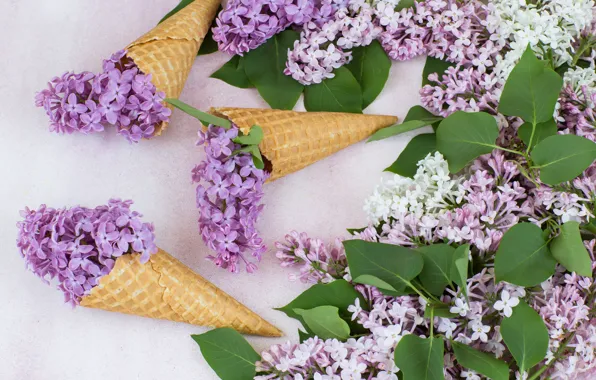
{"points": [[577, 110], [461, 89], [244, 25], [78, 245], [229, 190], [323, 48], [317, 262], [121, 95], [452, 30]]}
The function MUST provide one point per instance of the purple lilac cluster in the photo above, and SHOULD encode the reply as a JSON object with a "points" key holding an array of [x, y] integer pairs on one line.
{"points": [[244, 25], [121, 95], [324, 47], [79, 245], [452, 30], [565, 302], [577, 110], [229, 192]]}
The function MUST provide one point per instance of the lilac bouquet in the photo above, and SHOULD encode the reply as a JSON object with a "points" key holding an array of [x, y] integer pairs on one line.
{"points": [[121, 95], [229, 191], [77, 246]]}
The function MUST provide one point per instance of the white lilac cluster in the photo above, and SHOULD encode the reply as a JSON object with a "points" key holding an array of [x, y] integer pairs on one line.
{"points": [[324, 48], [550, 26], [431, 191], [579, 78]]}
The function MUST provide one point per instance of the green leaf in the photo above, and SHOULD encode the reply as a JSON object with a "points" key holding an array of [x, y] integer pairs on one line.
{"points": [[403, 4], [303, 335], [480, 362], [417, 117], [232, 72], [561, 158], [420, 358], [531, 91], [383, 287], [523, 257], [209, 45], [341, 93], [464, 136], [459, 269], [254, 137], [370, 66], [255, 152], [542, 131], [265, 66], [353, 231], [438, 261], [203, 117], [338, 293], [228, 353], [525, 335], [434, 65], [438, 310], [393, 264], [406, 164], [325, 322], [569, 250]]}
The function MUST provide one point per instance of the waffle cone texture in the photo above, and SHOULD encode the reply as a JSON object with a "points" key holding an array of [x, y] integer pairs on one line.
{"points": [[293, 140], [168, 51], [164, 288]]}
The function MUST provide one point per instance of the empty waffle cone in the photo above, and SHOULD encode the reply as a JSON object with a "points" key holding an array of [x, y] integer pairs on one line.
{"points": [[293, 140], [164, 288], [168, 51]]}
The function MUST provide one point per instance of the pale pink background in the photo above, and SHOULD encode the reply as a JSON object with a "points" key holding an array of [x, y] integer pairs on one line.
{"points": [[41, 338]]}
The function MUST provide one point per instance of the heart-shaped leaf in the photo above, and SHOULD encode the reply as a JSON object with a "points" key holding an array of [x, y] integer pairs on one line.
{"points": [[370, 66], [341, 93], [228, 353], [531, 91], [526, 336], [480, 362], [523, 257], [438, 262], [203, 117], [464, 136], [569, 250], [338, 293], [392, 264], [325, 322], [232, 72], [265, 66], [561, 158], [420, 358], [419, 147]]}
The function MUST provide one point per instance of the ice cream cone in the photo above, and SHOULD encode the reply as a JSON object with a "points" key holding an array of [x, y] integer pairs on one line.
{"points": [[294, 140], [168, 51], [164, 288]]}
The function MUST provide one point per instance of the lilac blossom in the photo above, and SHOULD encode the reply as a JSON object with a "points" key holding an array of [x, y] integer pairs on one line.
{"points": [[324, 47], [228, 195], [244, 25], [121, 95], [77, 246]]}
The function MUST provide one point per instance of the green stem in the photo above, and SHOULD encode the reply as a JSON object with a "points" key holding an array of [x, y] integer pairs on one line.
{"points": [[432, 322], [510, 150], [560, 352], [531, 137]]}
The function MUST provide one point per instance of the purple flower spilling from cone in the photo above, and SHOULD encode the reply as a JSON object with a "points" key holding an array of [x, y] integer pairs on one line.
{"points": [[106, 258]]}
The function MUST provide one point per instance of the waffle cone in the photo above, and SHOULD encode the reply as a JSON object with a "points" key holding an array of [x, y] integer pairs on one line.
{"points": [[164, 288], [293, 140], [168, 51]]}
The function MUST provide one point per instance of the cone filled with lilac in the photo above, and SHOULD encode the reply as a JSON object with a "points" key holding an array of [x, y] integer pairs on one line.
{"points": [[247, 147], [106, 258], [129, 93]]}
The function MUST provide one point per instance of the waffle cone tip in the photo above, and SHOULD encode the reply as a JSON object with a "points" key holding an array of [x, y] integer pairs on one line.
{"points": [[164, 288]]}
